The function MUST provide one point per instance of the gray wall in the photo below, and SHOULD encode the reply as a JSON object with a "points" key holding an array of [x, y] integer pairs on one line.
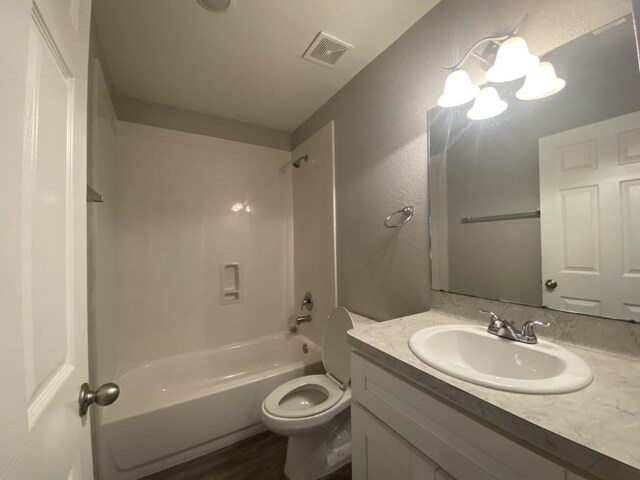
{"points": [[138, 111], [381, 139]]}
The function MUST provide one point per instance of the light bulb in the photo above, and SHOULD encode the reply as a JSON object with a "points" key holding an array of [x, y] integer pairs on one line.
{"points": [[458, 90], [541, 83], [488, 104], [513, 61]]}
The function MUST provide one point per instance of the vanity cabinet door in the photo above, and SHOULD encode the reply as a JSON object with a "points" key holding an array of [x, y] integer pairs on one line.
{"points": [[380, 454], [455, 441]]}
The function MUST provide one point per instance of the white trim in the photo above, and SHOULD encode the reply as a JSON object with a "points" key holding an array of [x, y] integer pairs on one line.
{"points": [[42, 399], [38, 20]]}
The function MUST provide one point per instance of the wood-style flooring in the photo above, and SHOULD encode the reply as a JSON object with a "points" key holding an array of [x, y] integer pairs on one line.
{"points": [[260, 457]]}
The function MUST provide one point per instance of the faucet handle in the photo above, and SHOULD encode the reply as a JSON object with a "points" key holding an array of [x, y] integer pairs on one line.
{"points": [[496, 324], [494, 316], [307, 302], [528, 327]]}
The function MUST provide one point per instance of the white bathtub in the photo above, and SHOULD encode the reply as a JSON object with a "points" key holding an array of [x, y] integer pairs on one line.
{"points": [[178, 408]]}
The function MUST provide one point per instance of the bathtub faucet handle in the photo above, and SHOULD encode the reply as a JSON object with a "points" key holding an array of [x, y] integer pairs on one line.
{"points": [[307, 302]]}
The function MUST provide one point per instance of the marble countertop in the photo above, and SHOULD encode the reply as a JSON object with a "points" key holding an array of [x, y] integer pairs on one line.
{"points": [[596, 429]]}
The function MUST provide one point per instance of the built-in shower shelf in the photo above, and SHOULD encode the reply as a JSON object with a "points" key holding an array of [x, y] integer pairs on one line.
{"points": [[230, 283]]}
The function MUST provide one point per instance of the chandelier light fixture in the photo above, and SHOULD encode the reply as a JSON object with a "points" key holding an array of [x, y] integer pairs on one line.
{"points": [[513, 61]]}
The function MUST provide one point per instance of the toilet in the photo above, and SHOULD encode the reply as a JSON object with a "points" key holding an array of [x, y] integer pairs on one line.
{"points": [[313, 411]]}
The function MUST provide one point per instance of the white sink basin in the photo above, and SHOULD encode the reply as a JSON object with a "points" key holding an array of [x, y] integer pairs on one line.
{"points": [[471, 354]]}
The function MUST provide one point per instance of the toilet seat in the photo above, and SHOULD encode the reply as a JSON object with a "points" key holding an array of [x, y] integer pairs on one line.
{"points": [[307, 403], [275, 403]]}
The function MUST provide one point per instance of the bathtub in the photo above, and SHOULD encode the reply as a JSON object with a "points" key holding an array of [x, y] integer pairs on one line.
{"points": [[177, 408]]}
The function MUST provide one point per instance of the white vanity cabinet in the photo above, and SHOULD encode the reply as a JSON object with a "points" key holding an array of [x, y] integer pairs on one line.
{"points": [[383, 454], [400, 432]]}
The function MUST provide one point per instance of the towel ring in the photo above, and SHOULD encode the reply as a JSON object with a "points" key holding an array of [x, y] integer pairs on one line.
{"points": [[408, 211]]}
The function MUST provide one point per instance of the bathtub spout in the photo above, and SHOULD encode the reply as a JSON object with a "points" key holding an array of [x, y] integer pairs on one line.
{"points": [[303, 319]]}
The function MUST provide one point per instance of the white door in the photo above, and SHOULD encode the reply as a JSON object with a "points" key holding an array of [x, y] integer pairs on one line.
{"points": [[590, 218], [43, 274]]}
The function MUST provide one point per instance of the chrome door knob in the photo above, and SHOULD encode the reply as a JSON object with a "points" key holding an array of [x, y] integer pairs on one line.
{"points": [[551, 284], [103, 396]]}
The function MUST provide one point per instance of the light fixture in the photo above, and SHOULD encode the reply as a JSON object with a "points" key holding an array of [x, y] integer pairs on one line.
{"points": [[513, 61], [505, 58], [458, 87], [488, 104], [541, 83], [240, 207], [217, 6], [458, 90]]}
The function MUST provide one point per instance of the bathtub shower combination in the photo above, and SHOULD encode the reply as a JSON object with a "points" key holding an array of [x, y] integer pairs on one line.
{"points": [[180, 407], [197, 283]]}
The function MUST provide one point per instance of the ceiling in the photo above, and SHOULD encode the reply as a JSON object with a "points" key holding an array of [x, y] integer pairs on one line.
{"points": [[245, 64]]}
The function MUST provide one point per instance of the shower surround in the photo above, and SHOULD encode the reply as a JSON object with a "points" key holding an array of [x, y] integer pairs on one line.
{"points": [[178, 207], [176, 198]]}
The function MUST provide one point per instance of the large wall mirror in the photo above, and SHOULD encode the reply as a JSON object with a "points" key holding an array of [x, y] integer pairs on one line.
{"points": [[540, 205]]}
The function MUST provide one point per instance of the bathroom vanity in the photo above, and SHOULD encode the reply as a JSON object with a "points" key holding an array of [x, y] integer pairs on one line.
{"points": [[411, 421]]}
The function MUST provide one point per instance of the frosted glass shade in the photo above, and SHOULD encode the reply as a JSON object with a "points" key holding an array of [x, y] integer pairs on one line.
{"points": [[513, 61], [540, 83], [487, 104], [458, 90]]}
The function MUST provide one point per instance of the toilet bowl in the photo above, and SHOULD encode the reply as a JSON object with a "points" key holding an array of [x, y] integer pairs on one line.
{"points": [[313, 411]]}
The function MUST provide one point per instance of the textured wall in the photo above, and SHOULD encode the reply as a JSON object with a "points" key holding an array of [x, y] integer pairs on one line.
{"points": [[381, 139]]}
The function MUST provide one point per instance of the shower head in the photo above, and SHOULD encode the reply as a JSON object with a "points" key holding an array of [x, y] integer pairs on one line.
{"points": [[299, 161]]}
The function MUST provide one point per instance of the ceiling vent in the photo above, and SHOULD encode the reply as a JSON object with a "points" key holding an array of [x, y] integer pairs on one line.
{"points": [[326, 50]]}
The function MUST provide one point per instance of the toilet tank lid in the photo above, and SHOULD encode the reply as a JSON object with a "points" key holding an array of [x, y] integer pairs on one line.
{"points": [[335, 346]]}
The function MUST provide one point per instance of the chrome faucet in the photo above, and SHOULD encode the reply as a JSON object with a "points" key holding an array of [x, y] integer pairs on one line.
{"points": [[506, 329], [303, 319], [299, 320], [307, 302]]}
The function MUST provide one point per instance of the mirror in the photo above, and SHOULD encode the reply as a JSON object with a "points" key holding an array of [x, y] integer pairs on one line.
{"points": [[540, 205]]}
